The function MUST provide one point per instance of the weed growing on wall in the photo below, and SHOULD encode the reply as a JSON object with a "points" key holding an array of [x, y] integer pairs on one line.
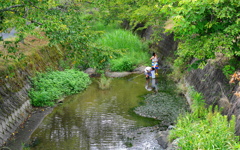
{"points": [[232, 66], [198, 103], [50, 86]]}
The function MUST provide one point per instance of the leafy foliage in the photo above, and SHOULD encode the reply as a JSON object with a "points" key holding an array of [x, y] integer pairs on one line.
{"points": [[212, 132], [231, 67], [48, 87], [204, 28], [104, 82], [228, 70], [122, 65], [130, 50], [198, 103], [204, 128], [64, 23]]}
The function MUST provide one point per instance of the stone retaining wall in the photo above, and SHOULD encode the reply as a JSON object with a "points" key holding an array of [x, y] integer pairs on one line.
{"points": [[14, 85], [9, 124], [14, 110]]}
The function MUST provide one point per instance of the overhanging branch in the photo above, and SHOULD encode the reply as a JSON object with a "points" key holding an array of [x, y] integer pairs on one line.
{"points": [[10, 8]]}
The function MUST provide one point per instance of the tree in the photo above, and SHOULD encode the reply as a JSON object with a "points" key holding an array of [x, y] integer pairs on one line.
{"points": [[64, 23], [205, 28]]}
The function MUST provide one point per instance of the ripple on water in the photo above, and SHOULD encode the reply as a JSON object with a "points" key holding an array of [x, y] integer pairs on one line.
{"points": [[102, 120]]}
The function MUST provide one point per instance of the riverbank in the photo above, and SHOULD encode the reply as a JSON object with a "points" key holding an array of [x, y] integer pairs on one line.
{"points": [[24, 131], [150, 109], [22, 134]]}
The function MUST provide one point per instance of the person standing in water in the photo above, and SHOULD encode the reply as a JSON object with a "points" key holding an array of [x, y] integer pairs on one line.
{"points": [[153, 86], [147, 72], [154, 59]]}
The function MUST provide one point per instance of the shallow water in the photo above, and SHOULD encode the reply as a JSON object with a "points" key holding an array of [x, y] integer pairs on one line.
{"points": [[99, 119]]}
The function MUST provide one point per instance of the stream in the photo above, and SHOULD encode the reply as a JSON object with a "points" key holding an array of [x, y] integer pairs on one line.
{"points": [[98, 119]]}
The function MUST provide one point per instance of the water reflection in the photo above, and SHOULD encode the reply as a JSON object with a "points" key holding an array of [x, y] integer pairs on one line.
{"points": [[95, 119], [152, 85]]}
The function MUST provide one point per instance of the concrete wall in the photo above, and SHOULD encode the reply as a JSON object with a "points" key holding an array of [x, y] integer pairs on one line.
{"points": [[14, 85], [10, 123], [14, 109]]}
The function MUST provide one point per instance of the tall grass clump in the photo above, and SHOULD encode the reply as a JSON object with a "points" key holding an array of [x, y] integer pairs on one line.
{"points": [[198, 104], [104, 82], [204, 129], [50, 86], [101, 26], [133, 49]]}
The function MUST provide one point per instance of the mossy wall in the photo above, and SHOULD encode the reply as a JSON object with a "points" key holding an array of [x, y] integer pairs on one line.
{"points": [[14, 85]]}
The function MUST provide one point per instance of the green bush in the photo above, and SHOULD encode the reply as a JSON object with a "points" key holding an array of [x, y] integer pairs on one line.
{"points": [[198, 103], [100, 26], [122, 64], [48, 87], [204, 128], [231, 67], [213, 132], [104, 82], [228, 70], [133, 50]]}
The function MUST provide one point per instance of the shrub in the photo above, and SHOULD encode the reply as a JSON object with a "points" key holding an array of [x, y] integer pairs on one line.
{"points": [[50, 86], [228, 70], [198, 103], [232, 65], [204, 128], [133, 50], [104, 82], [122, 65], [213, 132], [101, 26]]}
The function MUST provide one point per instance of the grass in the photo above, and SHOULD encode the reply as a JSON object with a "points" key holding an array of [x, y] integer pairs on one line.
{"points": [[204, 128], [100, 26], [104, 82], [212, 132], [122, 39], [134, 51]]}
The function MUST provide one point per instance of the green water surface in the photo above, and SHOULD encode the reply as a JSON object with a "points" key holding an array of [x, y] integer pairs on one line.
{"points": [[95, 118]]}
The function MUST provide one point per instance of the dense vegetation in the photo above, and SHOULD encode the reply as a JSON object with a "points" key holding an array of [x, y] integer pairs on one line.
{"points": [[204, 29], [75, 28], [51, 86], [204, 128], [133, 51]]}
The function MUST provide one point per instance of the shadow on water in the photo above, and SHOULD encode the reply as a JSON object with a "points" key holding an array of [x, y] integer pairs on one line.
{"points": [[104, 119]]}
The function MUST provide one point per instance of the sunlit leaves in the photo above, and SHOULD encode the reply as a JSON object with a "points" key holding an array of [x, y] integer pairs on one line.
{"points": [[62, 22], [204, 28], [204, 128]]}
